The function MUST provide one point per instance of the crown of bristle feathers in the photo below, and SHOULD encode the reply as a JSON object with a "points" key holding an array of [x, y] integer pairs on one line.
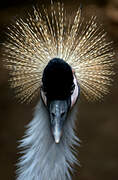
{"points": [[33, 42]]}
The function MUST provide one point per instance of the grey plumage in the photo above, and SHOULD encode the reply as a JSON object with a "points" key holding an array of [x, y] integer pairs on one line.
{"points": [[30, 46], [44, 159]]}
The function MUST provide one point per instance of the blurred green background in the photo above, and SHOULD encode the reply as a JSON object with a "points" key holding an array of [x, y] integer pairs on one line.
{"points": [[98, 122]]}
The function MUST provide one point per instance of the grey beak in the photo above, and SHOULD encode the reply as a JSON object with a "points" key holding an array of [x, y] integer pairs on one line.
{"points": [[57, 132], [58, 110]]}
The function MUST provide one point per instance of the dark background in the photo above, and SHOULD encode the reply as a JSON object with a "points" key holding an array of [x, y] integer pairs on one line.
{"points": [[98, 122]]}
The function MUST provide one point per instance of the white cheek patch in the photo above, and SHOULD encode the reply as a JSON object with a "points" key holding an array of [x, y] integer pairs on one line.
{"points": [[44, 97], [75, 92]]}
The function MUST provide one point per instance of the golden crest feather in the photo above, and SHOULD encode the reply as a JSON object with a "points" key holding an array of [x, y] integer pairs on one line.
{"points": [[42, 36]]}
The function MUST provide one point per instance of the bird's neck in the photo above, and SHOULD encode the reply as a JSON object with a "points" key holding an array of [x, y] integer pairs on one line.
{"points": [[44, 159]]}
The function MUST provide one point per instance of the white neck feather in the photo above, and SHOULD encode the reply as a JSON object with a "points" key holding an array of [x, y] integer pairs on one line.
{"points": [[42, 158]]}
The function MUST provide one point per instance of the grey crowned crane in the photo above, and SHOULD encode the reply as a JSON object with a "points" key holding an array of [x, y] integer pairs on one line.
{"points": [[58, 57]]}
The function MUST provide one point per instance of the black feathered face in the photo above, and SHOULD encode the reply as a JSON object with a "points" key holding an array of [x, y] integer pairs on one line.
{"points": [[57, 80], [59, 92]]}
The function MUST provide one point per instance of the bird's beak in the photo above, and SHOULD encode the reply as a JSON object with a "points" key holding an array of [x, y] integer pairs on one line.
{"points": [[57, 132], [58, 113]]}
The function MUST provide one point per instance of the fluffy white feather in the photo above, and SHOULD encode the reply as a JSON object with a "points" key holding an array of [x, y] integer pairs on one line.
{"points": [[42, 158]]}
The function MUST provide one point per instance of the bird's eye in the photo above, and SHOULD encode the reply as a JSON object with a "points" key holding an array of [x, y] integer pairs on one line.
{"points": [[43, 89]]}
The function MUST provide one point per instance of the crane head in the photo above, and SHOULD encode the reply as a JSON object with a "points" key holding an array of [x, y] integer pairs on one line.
{"points": [[59, 93], [29, 52]]}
